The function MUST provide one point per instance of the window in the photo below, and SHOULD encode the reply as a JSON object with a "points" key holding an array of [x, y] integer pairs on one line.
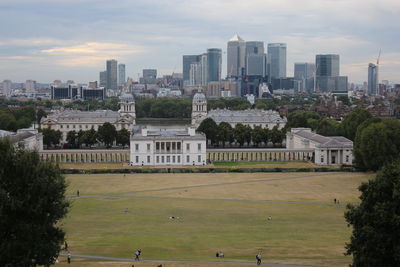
{"points": [[178, 146], [148, 147], [198, 158], [199, 147], [137, 159], [173, 159], [168, 159], [162, 145], [162, 159], [179, 159], [80, 126], [322, 159], [61, 126], [347, 158], [187, 159], [73, 126], [137, 147], [67, 126], [158, 159], [157, 145], [148, 159], [87, 127], [187, 147]]}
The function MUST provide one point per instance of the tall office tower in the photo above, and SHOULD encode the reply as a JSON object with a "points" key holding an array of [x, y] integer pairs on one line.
{"points": [[372, 79], [255, 59], [187, 60], [30, 86], [149, 76], [112, 74], [236, 57], [121, 74], [103, 79], [276, 60], [327, 65], [7, 87], [204, 66], [304, 73], [214, 64], [195, 75]]}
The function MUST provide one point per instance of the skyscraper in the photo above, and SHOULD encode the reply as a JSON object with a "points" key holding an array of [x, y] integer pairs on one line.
{"points": [[7, 87], [30, 86], [214, 63], [255, 59], [204, 70], [103, 79], [372, 79], [276, 60], [327, 65], [186, 61], [304, 73], [236, 56], [112, 74], [121, 74], [195, 75], [149, 76]]}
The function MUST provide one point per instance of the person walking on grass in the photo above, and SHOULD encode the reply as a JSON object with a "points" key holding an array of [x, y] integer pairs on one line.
{"points": [[258, 258]]}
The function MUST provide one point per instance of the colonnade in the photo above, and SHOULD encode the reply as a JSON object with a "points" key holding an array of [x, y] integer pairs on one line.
{"points": [[82, 156]]}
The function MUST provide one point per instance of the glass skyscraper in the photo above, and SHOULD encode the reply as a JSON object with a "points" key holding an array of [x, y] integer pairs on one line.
{"points": [[236, 56], [121, 74], [214, 64], [372, 79], [276, 60], [327, 65], [112, 74], [186, 61]]}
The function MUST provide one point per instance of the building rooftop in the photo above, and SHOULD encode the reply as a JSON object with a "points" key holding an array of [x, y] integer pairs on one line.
{"points": [[69, 116], [143, 133], [236, 38], [323, 141], [245, 116]]}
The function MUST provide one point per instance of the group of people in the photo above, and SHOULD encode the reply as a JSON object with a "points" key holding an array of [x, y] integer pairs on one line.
{"points": [[336, 201]]}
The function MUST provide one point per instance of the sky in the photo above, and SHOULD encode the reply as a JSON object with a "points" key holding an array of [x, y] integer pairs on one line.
{"points": [[45, 40]]}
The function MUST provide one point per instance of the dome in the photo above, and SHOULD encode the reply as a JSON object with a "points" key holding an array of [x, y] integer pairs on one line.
{"points": [[199, 96], [127, 97]]}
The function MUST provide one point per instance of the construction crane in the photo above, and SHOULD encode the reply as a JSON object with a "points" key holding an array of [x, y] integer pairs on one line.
{"points": [[377, 73]]}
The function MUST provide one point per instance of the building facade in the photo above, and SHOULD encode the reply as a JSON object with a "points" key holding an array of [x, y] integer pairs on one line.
{"points": [[328, 150], [167, 147], [186, 61], [214, 64], [112, 74], [305, 72], [372, 79], [7, 87], [121, 74], [30, 86], [236, 52], [276, 66]]}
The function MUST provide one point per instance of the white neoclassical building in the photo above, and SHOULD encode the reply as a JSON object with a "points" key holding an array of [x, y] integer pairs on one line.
{"points": [[76, 120], [167, 147], [250, 117], [329, 150]]}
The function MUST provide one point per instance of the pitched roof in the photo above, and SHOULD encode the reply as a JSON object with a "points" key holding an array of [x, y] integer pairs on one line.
{"points": [[324, 141]]}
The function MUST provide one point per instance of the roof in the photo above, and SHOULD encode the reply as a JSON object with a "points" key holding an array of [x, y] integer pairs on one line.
{"points": [[324, 141], [14, 138], [199, 96], [137, 133], [71, 116], [236, 38], [257, 116], [126, 97]]}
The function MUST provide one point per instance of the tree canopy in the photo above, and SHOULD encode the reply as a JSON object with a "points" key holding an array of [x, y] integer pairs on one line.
{"points": [[32, 203], [375, 240], [351, 122], [107, 133]]}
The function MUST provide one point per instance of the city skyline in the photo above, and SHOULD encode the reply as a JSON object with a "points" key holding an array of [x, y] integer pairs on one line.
{"points": [[44, 44]]}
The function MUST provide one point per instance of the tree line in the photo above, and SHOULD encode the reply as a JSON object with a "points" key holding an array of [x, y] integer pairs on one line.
{"points": [[12, 119], [106, 134], [223, 134]]}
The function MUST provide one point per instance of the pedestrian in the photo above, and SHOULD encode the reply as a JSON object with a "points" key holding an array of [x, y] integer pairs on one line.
{"points": [[65, 245], [334, 200], [69, 258], [258, 258], [137, 254], [217, 254], [77, 193]]}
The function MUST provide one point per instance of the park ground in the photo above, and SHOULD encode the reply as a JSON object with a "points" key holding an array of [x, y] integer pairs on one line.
{"points": [[116, 214]]}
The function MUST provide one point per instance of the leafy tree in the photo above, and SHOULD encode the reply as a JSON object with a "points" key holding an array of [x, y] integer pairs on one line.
{"points": [[32, 203], [378, 144], [107, 133], [71, 138], [7, 121], [225, 133], [301, 118], [328, 127], [51, 137], [89, 137], [352, 121], [266, 136], [80, 138], [209, 128], [247, 134], [240, 133], [277, 135], [39, 115], [257, 135], [123, 136], [375, 240]]}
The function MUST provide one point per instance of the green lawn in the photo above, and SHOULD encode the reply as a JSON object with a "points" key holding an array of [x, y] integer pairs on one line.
{"points": [[303, 233]]}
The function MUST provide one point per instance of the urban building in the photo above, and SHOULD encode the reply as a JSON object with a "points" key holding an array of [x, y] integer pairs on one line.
{"points": [[276, 62], [328, 150], [372, 79], [236, 53], [214, 64], [7, 88], [30, 139], [196, 74], [149, 76], [93, 85], [92, 93], [103, 79], [69, 92], [30, 86], [76, 120], [187, 60], [57, 83], [112, 74], [223, 89], [250, 117], [167, 147], [121, 74], [328, 77], [327, 65], [304, 73]]}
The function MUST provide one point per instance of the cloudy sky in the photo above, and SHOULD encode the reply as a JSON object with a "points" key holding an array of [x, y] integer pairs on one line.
{"points": [[71, 39]]}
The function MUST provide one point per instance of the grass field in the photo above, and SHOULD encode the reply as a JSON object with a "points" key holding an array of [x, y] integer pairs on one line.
{"points": [[118, 213]]}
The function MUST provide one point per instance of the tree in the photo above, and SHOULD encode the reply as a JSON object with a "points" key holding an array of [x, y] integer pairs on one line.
{"points": [[51, 137], [89, 137], [257, 135], [240, 132], [225, 133], [32, 203], [71, 138], [107, 133], [300, 118], [277, 135], [328, 127], [39, 115], [378, 144], [209, 128], [351, 122], [123, 136], [375, 240]]}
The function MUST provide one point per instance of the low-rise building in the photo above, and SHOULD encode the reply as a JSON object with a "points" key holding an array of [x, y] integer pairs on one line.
{"points": [[167, 147], [329, 150]]}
